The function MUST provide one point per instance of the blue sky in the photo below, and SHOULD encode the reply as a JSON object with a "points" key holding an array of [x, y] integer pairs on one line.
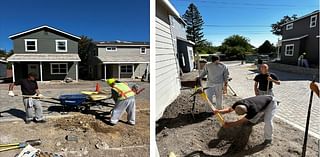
{"points": [[101, 20], [250, 18]]}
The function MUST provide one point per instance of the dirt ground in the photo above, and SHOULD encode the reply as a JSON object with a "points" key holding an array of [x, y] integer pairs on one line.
{"points": [[202, 136], [93, 137]]}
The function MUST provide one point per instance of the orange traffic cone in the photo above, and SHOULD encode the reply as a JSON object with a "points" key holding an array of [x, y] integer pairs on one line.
{"points": [[98, 87]]}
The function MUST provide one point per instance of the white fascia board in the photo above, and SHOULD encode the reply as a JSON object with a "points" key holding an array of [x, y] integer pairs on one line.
{"points": [[45, 26]]}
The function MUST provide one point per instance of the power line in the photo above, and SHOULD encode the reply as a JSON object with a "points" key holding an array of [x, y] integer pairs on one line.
{"points": [[247, 4], [214, 25]]}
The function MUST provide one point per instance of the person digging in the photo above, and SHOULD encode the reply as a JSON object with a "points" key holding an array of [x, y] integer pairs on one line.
{"points": [[31, 95], [254, 108], [124, 99], [217, 78]]}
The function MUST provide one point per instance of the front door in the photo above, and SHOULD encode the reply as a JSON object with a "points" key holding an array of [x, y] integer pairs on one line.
{"points": [[34, 68]]}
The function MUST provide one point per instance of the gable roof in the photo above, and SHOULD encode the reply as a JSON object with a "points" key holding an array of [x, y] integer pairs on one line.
{"points": [[302, 17], [44, 27]]}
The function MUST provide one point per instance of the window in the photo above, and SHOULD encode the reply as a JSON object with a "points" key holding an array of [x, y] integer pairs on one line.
{"points": [[289, 26], [143, 50], [313, 21], [289, 50], [126, 69], [61, 45], [30, 45], [111, 48], [59, 68]]}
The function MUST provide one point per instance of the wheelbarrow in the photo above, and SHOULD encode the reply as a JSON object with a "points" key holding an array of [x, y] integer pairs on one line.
{"points": [[82, 102]]}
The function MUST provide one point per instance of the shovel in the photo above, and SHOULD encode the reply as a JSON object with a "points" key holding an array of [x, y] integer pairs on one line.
{"points": [[11, 146], [314, 89]]}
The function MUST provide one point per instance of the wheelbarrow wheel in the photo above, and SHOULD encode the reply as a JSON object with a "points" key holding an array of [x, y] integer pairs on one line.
{"points": [[84, 108]]}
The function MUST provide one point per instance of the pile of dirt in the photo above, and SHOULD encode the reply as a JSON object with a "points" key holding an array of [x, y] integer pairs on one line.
{"points": [[82, 135], [179, 132]]}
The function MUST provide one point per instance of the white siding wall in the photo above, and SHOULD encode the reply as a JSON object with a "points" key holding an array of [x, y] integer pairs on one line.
{"points": [[167, 70]]}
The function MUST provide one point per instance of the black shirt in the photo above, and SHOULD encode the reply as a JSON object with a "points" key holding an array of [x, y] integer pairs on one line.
{"points": [[254, 104], [262, 79], [28, 87]]}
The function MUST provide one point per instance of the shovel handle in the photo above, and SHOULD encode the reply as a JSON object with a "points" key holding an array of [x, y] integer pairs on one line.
{"points": [[36, 142]]}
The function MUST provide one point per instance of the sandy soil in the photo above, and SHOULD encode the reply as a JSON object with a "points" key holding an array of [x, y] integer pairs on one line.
{"points": [[179, 132], [95, 138]]}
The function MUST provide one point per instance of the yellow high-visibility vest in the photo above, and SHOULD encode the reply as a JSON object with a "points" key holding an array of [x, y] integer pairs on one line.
{"points": [[123, 90]]}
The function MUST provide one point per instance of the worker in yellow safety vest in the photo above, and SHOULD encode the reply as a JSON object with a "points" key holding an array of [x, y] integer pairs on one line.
{"points": [[124, 99]]}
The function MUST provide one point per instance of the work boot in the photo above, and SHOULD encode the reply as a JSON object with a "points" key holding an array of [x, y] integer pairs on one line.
{"points": [[27, 121], [267, 142], [39, 121]]}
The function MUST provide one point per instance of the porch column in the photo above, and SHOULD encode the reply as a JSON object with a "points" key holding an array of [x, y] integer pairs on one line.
{"points": [[77, 73], [41, 79], [105, 71], [133, 71], [119, 71], [12, 68]]}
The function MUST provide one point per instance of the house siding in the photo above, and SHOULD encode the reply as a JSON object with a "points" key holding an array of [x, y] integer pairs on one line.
{"points": [[125, 52], [309, 44], [46, 43], [167, 70]]}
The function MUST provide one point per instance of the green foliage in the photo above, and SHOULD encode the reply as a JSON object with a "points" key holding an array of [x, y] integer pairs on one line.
{"points": [[86, 47], [236, 45], [194, 25], [206, 48], [276, 27], [266, 48]]}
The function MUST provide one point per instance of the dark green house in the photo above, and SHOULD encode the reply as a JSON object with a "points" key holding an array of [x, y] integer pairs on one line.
{"points": [[47, 51]]}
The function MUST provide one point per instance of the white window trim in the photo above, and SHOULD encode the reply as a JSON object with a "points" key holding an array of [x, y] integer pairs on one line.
{"points": [[287, 26], [126, 67], [145, 50], [285, 51], [111, 47], [315, 22], [59, 67], [66, 43], [26, 48]]}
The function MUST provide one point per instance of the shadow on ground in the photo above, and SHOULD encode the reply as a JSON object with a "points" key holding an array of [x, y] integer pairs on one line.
{"points": [[181, 120], [15, 112]]}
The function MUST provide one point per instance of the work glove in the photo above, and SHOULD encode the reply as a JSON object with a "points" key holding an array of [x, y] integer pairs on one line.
{"points": [[10, 93]]}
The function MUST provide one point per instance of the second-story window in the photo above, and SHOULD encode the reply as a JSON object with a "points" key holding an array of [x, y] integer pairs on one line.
{"points": [[313, 21], [30, 45], [143, 50], [289, 26], [111, 48], [61, 45]]}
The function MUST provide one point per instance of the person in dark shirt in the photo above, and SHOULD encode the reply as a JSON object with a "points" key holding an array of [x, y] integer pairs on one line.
{"points": [[265, 80], [254, 108], [30, 90]]}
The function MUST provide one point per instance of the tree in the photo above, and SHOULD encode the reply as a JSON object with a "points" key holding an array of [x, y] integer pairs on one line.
{"points": [[194, 23], [86, 47], [276, 27], [236, 45], [266, 48], [206, 48]]}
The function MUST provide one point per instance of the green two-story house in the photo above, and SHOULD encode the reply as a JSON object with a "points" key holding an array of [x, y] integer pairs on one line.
{"points": [[46, 51]]}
